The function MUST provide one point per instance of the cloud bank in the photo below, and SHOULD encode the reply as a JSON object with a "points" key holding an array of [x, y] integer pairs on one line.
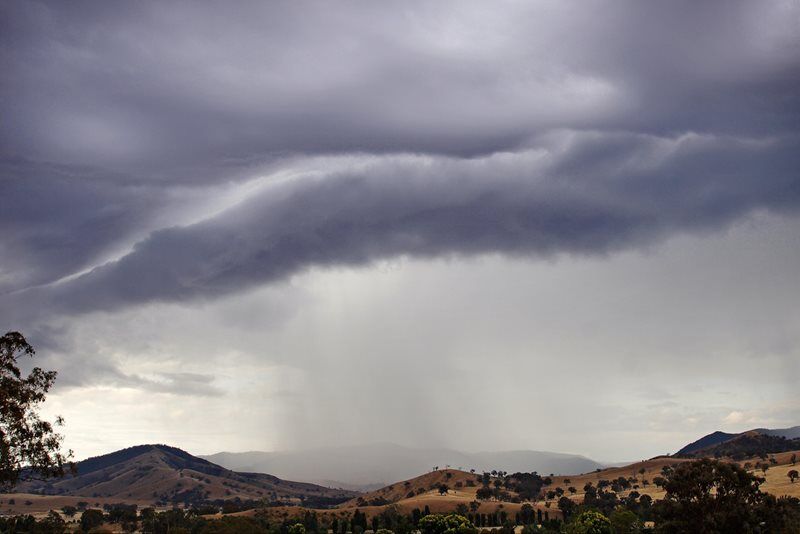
{"points": [[581, 193], [182, 154], [528, 129]]}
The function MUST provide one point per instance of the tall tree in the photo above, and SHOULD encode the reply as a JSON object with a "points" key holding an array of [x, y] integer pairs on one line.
{"points": [[29, 445]]}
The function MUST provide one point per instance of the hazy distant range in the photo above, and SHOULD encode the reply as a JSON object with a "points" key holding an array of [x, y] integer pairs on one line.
{"points": [[371, 466]]}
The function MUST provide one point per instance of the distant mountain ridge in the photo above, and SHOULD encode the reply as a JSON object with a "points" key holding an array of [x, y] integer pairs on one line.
{"points": [[367, 466], [706, 441], [749, 443], [788, 433], [164, 474]]}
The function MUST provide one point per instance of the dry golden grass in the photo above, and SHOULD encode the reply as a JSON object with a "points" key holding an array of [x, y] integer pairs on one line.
{"points": [[652, 468], [777, 482], [42, 504], [426, 493], [429, 482], [151, 476], [430, 497]]}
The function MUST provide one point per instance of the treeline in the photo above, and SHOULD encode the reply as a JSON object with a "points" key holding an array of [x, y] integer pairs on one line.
{"points": [[390, 521]]}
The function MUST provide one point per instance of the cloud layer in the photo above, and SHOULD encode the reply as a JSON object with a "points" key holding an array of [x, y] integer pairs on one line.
{"points": [[583, 193], [180, 154], [532, 128]]}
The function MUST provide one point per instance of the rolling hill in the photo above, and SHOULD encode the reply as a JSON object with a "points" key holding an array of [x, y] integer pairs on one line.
{"points": [[419, 493], [163, 474], [372, 466]]}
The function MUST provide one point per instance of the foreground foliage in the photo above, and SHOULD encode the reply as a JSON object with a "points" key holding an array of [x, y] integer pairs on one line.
{"points": [[709, 496], [445, 524], [29, 446]]}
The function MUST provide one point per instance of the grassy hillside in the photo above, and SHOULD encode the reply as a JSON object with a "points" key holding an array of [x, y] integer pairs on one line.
{"points": [[161, 474], [424, 491]]}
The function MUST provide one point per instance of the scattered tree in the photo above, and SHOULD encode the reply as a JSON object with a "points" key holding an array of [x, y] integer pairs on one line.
{"points": [[566, 505], [69, 510], [90, 519], [484, 493]]}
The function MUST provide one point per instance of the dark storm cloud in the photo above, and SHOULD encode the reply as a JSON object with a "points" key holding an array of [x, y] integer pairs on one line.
{"points": [[538, 129], [584, 194], [57, 219]]}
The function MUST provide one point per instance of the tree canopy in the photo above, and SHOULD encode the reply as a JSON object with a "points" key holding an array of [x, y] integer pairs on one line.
{"points": [[445, 524], [590, 522], [29, 445], [708, 496]]}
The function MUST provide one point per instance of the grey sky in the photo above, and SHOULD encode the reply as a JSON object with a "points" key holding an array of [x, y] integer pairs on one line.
{"points": [[539, 225]]}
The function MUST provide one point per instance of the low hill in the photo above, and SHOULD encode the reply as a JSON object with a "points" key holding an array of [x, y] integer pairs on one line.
{"points": [[163, 475], [421, 492], [459, 482], [380, 464]]}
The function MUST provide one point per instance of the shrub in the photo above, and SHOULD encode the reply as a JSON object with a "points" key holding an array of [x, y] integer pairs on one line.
{"points": [[590, 522]]}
